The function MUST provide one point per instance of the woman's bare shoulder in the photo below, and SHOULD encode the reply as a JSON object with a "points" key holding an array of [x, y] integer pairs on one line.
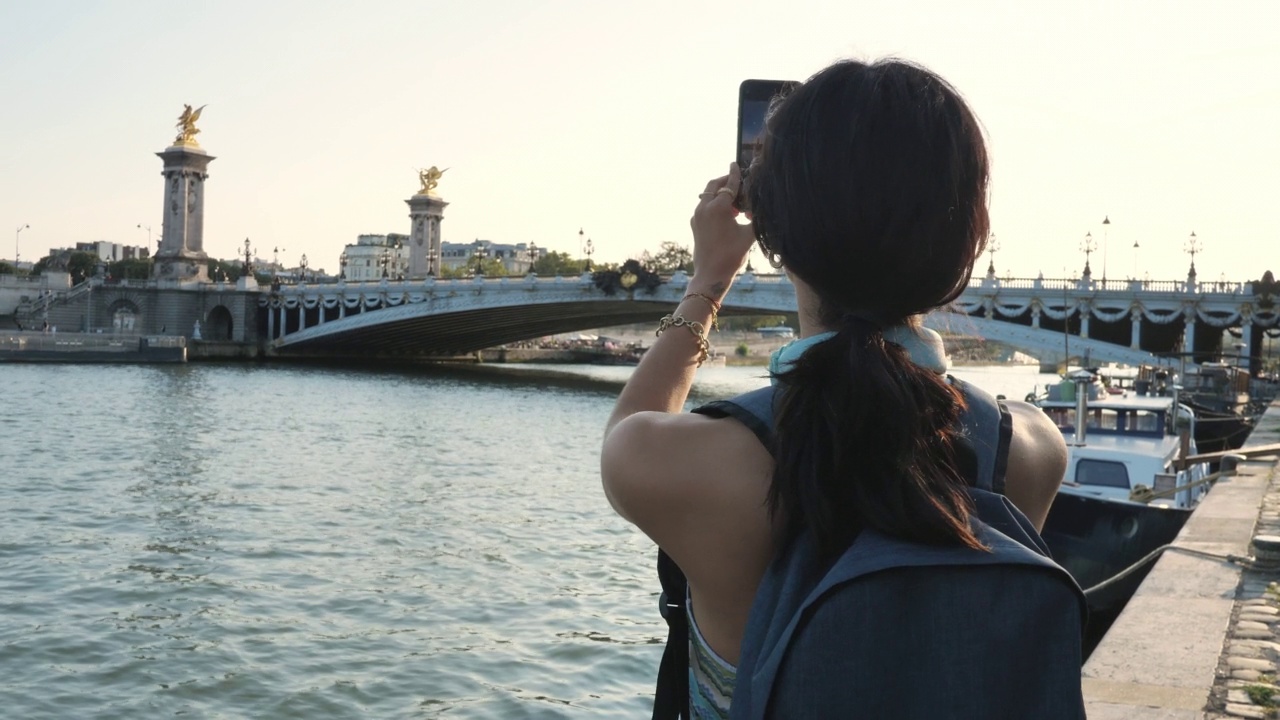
{"points": [[681, 477]]}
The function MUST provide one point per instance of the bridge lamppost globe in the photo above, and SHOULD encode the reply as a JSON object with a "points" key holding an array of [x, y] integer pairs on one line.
{"points": [[1089, 246], [1193, 246], [993, 246]]}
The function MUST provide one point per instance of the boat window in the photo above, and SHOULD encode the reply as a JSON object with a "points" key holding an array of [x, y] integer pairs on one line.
{"points": [[1103, 473]]}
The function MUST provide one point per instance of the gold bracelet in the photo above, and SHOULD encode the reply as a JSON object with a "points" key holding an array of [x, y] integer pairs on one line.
{"points": [[715, 307], [699, 332]]}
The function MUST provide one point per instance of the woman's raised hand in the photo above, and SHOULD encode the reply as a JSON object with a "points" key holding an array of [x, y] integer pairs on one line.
{"points": [[720, 242]]}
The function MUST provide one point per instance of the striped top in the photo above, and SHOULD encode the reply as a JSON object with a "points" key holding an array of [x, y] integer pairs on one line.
{"points": [[711, 677]]}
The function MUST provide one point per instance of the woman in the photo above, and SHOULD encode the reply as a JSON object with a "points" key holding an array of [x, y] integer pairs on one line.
{"points": [[870, 190]]}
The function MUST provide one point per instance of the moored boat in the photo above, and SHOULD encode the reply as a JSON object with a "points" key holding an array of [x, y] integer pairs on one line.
{"points": [[1125, 492]]}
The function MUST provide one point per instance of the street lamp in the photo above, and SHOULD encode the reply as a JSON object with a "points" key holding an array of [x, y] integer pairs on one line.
{"points": [[431, 262], [1106, 224], [533, 257], [17, 254], [148, 229], [302, 267], [1088, 245], [589, 247], [275, 260], [1193, 246], [480, 252], [993, 246], [248, 260], [384, 258], [342, 266], [1135, 259]]}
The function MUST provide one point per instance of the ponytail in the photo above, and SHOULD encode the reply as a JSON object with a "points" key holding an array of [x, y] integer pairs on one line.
{"points": [[865, 438]]}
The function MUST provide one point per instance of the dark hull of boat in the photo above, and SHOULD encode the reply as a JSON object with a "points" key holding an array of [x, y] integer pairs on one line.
{"points": [[1095, 539], [1217, 431]]}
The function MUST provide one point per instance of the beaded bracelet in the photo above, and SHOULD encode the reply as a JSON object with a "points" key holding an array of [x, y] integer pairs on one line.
{"points": [[699, 332]]}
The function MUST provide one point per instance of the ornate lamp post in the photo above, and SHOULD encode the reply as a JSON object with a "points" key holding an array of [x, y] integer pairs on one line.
{"points": [[17, 254], [1135, 259], [302, 267], [1089, 246], [342, 266], [275, 260], [590, 248], [384, 258], [993, 246], [431, 262], [1193, 246], [533, 257], [248, 260], [479, 253], [148, 229]]}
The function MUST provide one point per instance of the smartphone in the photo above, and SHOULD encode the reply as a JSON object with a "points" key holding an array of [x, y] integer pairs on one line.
{"points": [[754, 100]]}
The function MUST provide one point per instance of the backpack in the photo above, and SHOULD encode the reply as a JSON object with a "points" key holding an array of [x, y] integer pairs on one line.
{"points": [[887, 630]]}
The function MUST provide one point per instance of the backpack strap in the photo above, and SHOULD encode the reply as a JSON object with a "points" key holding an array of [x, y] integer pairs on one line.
{"points": [[990, 452], [671, 698]]}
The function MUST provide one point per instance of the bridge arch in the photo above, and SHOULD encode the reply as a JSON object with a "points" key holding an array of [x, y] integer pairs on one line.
{"points": [[219, 324]]}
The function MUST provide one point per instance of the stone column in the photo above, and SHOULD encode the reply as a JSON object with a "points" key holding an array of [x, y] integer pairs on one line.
{"points": [[271, 324], [1135, 331], [1035, 315], [425, 214], [1246, 337], [181, 255], [1086, 311], [1189, 329]]}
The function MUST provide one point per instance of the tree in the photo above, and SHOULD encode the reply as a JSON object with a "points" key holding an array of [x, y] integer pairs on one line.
{"points": [[670, 257], [133, 269], [221, 268], [492, 267], [558, 263], [7, 269]]}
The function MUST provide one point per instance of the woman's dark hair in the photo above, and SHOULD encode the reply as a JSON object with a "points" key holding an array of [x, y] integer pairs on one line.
{"points": [[871, 188]]}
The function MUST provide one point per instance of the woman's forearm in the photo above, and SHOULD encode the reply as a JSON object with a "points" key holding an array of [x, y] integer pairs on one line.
{"points": [[662, 380]]}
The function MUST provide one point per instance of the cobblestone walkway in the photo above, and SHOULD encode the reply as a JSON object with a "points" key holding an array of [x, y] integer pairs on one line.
{"points": [[1246, 684]]}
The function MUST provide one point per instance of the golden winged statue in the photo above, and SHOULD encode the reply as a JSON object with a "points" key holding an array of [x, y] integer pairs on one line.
{"points": [[430, 179], [187, 129]]}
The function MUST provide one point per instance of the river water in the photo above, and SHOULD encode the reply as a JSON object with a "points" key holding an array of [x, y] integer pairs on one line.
{"points": [[275, 541]]}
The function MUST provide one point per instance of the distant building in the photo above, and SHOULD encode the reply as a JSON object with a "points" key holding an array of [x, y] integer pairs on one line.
{"points": [[515, 259], [374, 257], [113, 252]]}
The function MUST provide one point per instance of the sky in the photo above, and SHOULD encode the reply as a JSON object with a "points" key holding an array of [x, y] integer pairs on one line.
{"points": [[610, 117]]}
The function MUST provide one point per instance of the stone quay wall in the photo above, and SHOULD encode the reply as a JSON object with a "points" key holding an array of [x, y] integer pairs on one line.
{"points": [[1201, 636]]}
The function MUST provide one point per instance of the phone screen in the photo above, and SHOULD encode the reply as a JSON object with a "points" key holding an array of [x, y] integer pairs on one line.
{"points": [[754, 99]]}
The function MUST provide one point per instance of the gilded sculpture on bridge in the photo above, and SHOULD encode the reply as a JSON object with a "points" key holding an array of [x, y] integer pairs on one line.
{"points": [[187, 129], [430, 179]]}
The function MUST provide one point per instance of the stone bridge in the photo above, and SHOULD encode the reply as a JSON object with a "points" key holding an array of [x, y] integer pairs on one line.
{"points": [[1129, 321]]}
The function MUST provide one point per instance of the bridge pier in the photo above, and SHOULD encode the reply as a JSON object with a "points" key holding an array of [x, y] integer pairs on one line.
{"points": [[1135, 328]]}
